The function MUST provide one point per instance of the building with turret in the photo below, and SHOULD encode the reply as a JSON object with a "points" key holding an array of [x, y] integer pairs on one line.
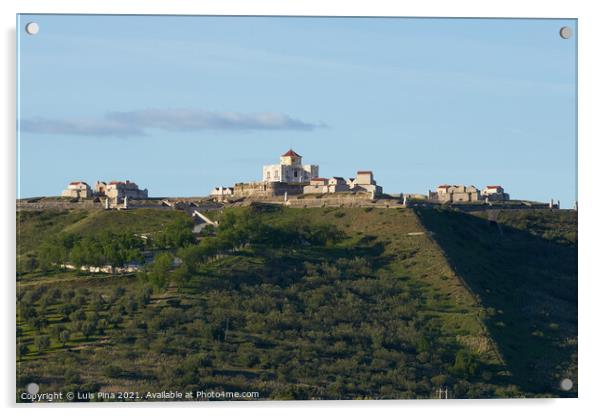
{"points": [[290, 170]]}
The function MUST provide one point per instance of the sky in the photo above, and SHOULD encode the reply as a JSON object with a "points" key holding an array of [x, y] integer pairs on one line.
{"points": [[181, 104]]}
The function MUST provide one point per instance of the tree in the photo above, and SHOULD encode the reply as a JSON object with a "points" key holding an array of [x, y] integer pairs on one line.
{"points": [[465, 364], [40, 322], [77, 316], [29, 264], [117, 294], [78, 257], [55, 330], [22, 349], [67, 309], [158, 271], [98, 304], [64, 337], [54, 251], [182, 274], [179, 233], [42, 342], [144, 297], [115, 317], [88, 328]]}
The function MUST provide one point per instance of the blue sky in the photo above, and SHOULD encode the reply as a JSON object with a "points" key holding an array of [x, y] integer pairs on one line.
{"points": [[182, 104]]}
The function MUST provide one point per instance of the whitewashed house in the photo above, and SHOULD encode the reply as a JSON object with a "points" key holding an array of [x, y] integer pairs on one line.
{"points": [[78, 189]]}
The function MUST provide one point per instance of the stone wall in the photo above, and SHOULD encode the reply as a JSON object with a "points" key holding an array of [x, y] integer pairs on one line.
{"points": [[343, 200], [267, 189], [43, 203]]}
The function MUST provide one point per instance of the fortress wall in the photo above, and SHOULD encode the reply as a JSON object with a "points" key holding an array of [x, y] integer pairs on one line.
{"points": [[41, 204], [267, 189], [343, 202]]}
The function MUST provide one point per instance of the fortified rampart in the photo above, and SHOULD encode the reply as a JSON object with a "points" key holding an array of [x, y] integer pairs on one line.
{"points": [[61, 204], [267, 189]]}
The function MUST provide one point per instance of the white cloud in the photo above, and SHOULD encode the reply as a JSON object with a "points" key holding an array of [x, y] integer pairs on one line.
{"points": [[137, 123]]}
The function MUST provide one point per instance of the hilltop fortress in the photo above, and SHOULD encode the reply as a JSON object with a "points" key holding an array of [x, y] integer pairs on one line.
{"points": [[292, 178], [289, 182]]}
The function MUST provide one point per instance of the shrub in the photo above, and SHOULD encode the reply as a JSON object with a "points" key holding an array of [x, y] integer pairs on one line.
{"points": [[465, 364], [42, 342], [112, 371]]}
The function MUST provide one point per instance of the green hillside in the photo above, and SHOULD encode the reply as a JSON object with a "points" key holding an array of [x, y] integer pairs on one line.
{"points": [[525, 273], [308, 303], [35, 226]]}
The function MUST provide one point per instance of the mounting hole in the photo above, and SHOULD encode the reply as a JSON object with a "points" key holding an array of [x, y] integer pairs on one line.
{"points": [[32, 28], [566, 32], [33, 388], [566, 384]]}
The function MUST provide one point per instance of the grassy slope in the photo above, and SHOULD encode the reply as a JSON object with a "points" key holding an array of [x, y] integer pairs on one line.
{"points": [[34, 226], [416, 258], [525, 273], [413, 262]]}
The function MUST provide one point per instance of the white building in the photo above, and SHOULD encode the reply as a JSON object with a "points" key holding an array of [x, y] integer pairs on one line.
{"points": [[364, 182], [337, 184], [222, 191], [290, 170], [78, 189], [316, 186], [495, 193], [118, 190], [456, 193]]}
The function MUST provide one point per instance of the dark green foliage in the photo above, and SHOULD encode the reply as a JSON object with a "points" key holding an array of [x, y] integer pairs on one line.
{"points": [[175, 235], [527, 275], [465, 365], [22, 349], [42, 342], [104, 249], [279, 301], [112, 371], [158, 272], [64, 337]]}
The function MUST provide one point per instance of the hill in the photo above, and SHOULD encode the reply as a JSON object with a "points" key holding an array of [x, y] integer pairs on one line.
{"points": [[523, 268], [310, 303]]}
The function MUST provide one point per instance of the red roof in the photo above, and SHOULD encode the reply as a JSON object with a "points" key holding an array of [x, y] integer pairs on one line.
{"points": [[443, 186], [493, 186], [319, 179], [291, 152], [115, 182]]}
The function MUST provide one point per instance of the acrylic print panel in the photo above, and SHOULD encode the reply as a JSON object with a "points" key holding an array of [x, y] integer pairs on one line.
{"points": [[287, 208]]}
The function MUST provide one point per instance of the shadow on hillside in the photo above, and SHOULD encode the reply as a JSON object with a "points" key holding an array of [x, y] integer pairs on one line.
{"points": [[528, 286]]}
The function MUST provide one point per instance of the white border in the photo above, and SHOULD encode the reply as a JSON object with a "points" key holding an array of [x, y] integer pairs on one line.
{"points": [[590, 233]]}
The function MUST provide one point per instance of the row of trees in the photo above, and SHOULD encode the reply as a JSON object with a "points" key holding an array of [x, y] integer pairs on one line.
{"points": [[107, 248], [99, 250]]}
